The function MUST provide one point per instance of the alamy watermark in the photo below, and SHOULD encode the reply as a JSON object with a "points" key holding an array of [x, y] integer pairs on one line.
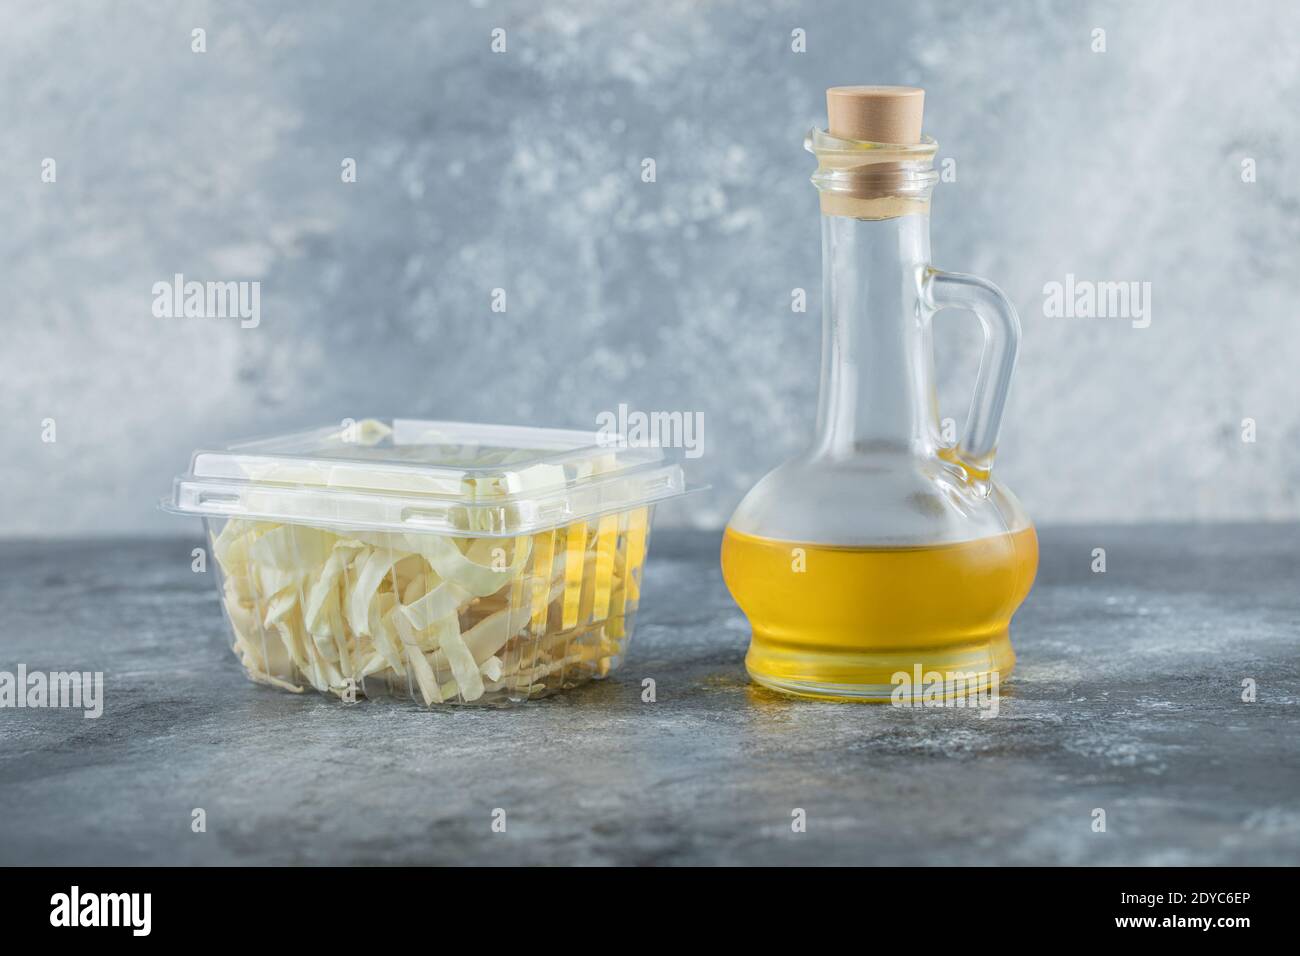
{"points": [[78, 690], [75, 908], [977, 690], [636, 429], [180, 299], [1086, 299]]}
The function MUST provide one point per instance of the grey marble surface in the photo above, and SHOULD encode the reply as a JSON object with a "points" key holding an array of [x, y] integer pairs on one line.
{"points": [[1127, 697]]}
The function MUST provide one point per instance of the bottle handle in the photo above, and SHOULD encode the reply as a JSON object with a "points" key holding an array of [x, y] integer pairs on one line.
{"points": [[952, 290]]}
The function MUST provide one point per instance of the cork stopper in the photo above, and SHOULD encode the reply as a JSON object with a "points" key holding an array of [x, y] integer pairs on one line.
{"points": [[875, 114]]}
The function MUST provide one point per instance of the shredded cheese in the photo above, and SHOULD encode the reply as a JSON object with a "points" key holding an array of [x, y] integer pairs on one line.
{"points": [[452, 619]]}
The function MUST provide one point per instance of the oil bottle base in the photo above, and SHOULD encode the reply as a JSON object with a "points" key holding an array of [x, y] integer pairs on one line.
{"points": [[887, 677]]}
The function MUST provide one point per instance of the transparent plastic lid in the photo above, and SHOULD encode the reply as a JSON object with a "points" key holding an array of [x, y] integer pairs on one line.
{"points": [[442, 477]]}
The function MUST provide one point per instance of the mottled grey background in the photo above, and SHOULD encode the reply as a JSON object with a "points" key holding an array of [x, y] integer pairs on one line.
{"points": [[522, 170]]}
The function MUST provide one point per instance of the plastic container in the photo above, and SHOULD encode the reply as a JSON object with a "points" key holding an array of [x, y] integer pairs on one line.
{"points": [[439, 562]]}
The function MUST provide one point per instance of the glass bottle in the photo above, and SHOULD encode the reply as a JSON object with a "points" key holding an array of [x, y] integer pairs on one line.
{"points": [[882, 550]]}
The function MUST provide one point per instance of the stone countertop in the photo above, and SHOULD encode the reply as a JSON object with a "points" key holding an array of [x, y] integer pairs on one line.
{"points": [[1127, 697]]}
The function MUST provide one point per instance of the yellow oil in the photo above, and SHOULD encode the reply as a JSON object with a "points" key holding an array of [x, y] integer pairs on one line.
{"points": [[840, 622]]}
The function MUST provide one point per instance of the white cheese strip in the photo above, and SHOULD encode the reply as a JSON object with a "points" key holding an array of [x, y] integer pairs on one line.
{"points": [[294, 548], [369, 577], [491, 668], [463, 666], [450, 563], [424, 677], [384, 639], [440, 603]]}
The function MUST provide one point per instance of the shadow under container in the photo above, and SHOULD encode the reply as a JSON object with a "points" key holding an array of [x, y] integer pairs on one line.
{"points": [[437, 562]]}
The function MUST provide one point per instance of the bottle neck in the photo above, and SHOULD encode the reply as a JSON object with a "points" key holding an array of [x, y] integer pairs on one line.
{"points": [[877, 392]]}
